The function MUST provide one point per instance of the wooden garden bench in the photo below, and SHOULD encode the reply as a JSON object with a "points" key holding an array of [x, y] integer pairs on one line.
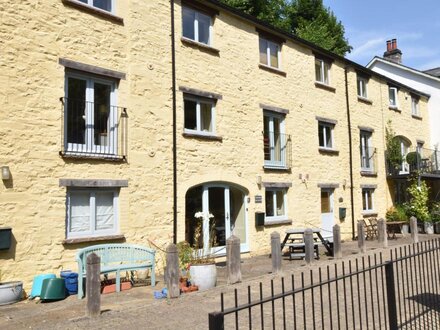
{"points": [[114, 259]]}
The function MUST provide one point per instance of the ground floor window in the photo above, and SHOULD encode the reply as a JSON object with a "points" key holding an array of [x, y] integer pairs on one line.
{"points": [[367, 199], [276, 202], [91, 212]]}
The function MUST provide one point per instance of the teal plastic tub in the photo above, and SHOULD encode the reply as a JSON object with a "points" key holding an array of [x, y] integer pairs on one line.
{"points": [[38, 283], [53, 289]]}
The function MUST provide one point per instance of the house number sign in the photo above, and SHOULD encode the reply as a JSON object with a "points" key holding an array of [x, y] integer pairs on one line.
{"points": [[258, 199]]}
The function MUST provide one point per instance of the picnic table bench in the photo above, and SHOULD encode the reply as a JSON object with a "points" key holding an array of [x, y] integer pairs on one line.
{"points": [[294, 239], [114, 259]]}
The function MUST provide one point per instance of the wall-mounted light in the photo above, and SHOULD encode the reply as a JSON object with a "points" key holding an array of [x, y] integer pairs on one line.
{"points": [[259, 180], [6, 173]]}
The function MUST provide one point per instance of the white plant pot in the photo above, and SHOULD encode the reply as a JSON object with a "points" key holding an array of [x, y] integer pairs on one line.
{"points": [[10, 292], [204, 276], [429, 228], [405, 229]]}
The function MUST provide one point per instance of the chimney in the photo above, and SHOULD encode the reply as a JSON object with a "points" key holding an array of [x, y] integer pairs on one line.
{"points": [[393, 53]]}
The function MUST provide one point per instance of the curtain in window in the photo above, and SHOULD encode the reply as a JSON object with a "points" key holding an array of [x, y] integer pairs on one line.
{"points": [[79, 212], [104, 210]]}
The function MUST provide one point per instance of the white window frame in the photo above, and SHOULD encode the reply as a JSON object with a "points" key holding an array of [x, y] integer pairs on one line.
{"points": [[324, 134], [89, 146], [272, 163], [394, 90], [197, 15], [415, 109], [275, 217], [362, 88], [198, 129], [324, 67], [269, 43], [367, 151], [90, 3], [92, 205], [368, 196]]}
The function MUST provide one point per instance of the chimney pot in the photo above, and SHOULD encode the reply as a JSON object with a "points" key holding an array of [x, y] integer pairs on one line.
{"points": [[393, 44]]}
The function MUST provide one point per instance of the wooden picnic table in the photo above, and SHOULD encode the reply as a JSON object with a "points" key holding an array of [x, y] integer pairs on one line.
{"points": [[394, 227], [294, 239]]}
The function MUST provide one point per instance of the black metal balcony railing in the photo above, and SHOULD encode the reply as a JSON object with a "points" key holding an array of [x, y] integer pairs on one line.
{"points": [[277, 150], [368, 160], [421, 160], [92, 130]]}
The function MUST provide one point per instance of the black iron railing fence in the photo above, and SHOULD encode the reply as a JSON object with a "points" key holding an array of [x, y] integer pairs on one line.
{"points": [[367, 293], [421, 160]]}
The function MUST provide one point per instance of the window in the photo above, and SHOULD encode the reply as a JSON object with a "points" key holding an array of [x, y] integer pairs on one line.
{"points": [[392, 92], [367, 151], [325, 132], [362, 86], [270, 53], [367, 199], [322, 69], [415, 106], [197, 26], [199, 115], [91, 212], [275, 141], [276, 204], [91, 120], [106, 5]]}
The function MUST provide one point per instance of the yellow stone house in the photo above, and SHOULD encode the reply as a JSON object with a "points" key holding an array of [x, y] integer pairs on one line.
{"points": [[122, 120]]}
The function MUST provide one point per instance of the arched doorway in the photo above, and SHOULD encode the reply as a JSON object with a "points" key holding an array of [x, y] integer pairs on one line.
{"points": [[214, 212]]}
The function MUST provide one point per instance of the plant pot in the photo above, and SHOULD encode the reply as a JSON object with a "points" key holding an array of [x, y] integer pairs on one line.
{"points": [[437, 227], [10, 292], [429, 228], [405, 229], [204, 276]]}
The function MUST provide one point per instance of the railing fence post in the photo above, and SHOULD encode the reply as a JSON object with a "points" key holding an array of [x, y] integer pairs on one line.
{"points": [[216, 321], [391, 295], [337, 251], [93, 285], [275, 242], [172, 271], [382, 232], [361, 237], [233, 259], [309, 246], [414, 230]]}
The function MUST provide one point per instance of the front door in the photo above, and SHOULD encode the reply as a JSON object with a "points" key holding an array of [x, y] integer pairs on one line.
{"points": [[327, 217]]}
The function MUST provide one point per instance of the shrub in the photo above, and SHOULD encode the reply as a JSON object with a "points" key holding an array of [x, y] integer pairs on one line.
{"points": [[418, 205]]}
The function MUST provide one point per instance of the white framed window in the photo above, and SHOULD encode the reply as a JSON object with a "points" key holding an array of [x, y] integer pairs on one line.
{"points": [[276, 204], [415, 111], [275, 141], [199, 115], [392, 92], [90, 118], [270, 53], [367, 151], [362, 86], [197, 26], [325, 133], [367, 199], [107, 5], [322, 71], [92, 212]]}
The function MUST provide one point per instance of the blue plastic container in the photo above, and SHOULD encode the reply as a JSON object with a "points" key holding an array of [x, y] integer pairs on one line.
{"points": [[38, 283], [71, 280]]}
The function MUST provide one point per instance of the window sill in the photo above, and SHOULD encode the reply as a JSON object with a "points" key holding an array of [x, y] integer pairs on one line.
{"points": [[80, 240], [325, 86], [272, 69], [394, 108], [199, 45], [106, 157], [94, 11], [416, 117], [368, 173], [202, 136], [328, 151], [364, 100], [369, 213], [277, 222], [276, 168]]}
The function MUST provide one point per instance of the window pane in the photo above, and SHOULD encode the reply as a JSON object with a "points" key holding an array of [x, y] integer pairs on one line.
{"points": [[204, 24], [280, 202], [190, 114], [103, 4], [206, 117], [273, 48], [266, 138], [79, 212], [263, 51], [318, 73], [392, 96], [269, 204], [328, 136], [101, 113], [325, 73], [325, 202], [104, 211], [188, 23], [76, 106], [321, 136], [277, 139]]}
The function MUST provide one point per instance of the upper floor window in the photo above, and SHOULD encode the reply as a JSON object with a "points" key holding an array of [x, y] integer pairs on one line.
{"points": [[276, 204], [275, 141], [367, 199], [270, 53], [392, 92], [197, 26], [367, 151], [322, 69], [325, 133], [199, 115], [415, 106], [362, 86], [106, 5]]}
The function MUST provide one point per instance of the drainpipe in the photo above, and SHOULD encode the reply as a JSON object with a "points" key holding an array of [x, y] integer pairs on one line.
{"points": [[173, 70], [350, 146]]}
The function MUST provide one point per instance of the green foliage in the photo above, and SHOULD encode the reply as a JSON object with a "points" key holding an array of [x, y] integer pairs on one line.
{"points": [[394, 153], [413, 158], [185, 254], [435, 212], [308, 19], [397, 213], [418, 205]]}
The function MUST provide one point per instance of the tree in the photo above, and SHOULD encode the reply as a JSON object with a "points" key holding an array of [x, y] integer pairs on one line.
{"points": [[308, 19]]}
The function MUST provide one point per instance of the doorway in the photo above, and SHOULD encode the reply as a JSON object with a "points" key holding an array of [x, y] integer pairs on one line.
{"points": [[327, 217]]}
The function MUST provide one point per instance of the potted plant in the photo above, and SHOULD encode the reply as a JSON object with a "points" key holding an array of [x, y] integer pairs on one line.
{"points": [[413, 158], [418, 205], [398, 213]]}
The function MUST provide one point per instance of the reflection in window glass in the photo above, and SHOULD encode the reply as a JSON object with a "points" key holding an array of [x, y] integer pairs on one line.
{"points": [[190, 114]]}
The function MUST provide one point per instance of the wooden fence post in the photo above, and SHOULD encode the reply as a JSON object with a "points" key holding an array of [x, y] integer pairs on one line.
{"points": [[337, 251], [382, 236], [93, 285], [172, 271], [275, 243], [414, 230], [309, 246], [233, 259], [361, 237]]}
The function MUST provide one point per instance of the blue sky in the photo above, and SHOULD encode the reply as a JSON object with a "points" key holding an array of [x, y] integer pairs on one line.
{"points": [[370, 23]]}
